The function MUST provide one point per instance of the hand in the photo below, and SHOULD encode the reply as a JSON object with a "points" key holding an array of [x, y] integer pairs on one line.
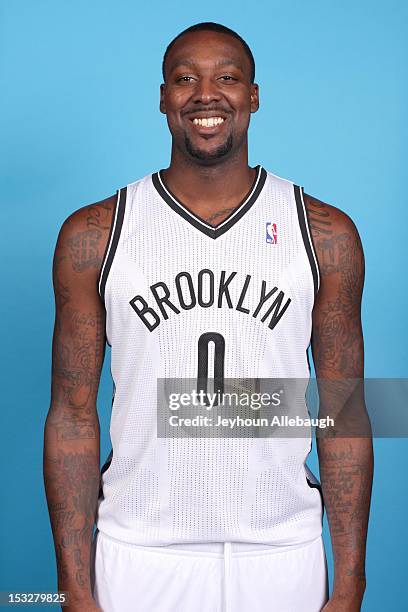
{"points": [[347, 595]]}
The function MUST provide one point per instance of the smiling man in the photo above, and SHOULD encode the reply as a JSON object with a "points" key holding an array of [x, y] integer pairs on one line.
{"points": [[207, 269]]}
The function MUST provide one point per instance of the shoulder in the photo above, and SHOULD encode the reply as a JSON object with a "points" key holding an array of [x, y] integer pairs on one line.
{"points": [[326, 219], [334, 235], [96, 217], [85, 232]]}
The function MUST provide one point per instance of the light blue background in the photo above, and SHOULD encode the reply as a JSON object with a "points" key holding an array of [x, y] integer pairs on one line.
{"points": [[79, 118]]}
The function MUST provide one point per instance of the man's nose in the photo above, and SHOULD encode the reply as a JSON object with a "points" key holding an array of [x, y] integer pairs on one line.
{"points": [[206, 91]]}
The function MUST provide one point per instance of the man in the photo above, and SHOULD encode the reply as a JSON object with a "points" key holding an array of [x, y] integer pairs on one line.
{"points": [[208, 267]]}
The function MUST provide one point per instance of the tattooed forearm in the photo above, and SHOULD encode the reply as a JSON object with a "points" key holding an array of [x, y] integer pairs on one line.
{"points": [[72, 482], [346, 477]]}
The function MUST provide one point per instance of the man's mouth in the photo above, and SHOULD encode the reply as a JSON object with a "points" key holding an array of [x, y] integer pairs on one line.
{"points": [[208, 126], [208, 122]]}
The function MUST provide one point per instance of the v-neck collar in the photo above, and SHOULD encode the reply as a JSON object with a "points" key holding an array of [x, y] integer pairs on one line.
{"points": [[213, 231]]}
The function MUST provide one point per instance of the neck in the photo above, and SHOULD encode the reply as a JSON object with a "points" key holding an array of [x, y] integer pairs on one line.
{"points": [[207, 188]]}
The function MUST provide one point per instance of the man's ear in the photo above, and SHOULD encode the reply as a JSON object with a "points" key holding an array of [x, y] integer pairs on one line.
{"points": [[254, 97], [162, 104]]}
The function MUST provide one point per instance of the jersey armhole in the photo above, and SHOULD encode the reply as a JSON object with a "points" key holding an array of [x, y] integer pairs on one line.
{"points": [[114, 235], [306, 235]]}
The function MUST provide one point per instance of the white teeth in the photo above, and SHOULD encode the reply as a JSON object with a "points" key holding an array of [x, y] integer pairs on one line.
{"points": [[208, 122]]}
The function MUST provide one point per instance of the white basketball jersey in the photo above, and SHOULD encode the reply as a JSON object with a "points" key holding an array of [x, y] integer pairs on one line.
{"points": [[169, 278]]}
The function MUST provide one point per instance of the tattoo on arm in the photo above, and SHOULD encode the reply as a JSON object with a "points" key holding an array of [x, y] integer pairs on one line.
{"points": [[73, 483], [337, 337], [99, 217], [338, 353], [319, 218], [76, 363], [347, 478], [84, 250], [71, 445]]}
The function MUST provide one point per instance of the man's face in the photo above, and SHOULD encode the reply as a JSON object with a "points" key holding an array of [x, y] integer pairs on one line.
{"points": [[208, 75]]}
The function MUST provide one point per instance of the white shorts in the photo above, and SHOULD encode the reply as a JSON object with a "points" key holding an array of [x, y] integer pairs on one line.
{"points": [[217, 577]]}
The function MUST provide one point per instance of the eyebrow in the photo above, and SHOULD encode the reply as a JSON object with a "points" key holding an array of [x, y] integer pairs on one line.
{"points": [[191, 63]]}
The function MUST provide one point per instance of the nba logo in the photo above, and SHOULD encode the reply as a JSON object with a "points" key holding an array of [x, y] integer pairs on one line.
{"points": [[271, 233]]}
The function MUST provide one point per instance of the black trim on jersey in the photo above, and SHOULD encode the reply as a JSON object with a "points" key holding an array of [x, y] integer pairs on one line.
{"points": [[210, 230], [103, 469], [308, 360], [305, 235], [98, 283], [314, 485], [113, 241], [312, 481], [107, 462]]}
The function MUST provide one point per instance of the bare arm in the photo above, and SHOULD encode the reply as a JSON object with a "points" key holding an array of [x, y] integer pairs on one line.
{"points": [[346, 463], [71, 434]]}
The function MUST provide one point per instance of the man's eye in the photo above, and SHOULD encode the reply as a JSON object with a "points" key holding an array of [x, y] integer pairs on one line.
{"points": [[184, 79], [227, 77]]}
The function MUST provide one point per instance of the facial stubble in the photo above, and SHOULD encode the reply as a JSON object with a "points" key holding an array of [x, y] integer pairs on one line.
{"points": [[219, 152]]}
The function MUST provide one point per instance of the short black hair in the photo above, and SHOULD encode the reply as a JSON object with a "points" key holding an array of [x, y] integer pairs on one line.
{"points": [[210, 26]]}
